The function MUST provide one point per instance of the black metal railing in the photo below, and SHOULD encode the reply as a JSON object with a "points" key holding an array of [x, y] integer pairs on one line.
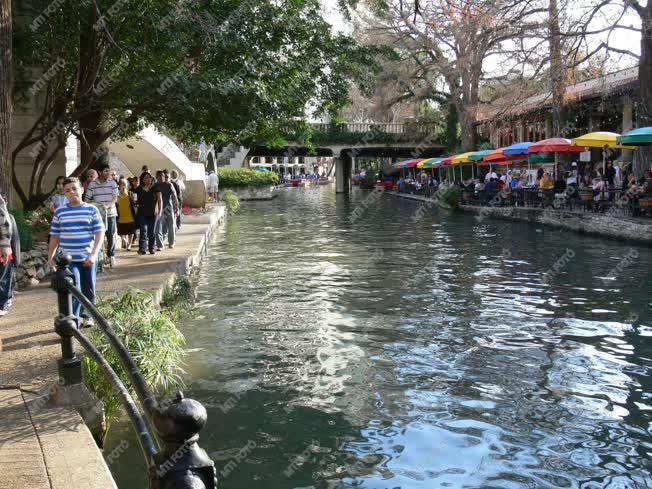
{"points": [[611, 201], [167, 431]]}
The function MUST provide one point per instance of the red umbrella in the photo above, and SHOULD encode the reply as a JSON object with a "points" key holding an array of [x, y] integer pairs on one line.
{"points": [[447, 161], [497, 157], [554, 145], [410, 163]]}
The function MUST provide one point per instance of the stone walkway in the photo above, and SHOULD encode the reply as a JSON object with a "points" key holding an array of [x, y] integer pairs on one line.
{"points": [[46, 446]]}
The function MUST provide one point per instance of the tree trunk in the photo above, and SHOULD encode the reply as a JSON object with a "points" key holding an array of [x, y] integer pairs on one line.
{"points": [[6, 107], [469, 131], [94, 150], [558, 87], [452, 120], [643, 156]]}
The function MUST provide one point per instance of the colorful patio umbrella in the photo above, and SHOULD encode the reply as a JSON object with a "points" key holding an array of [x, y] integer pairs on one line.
{"points": [[410, 163], [447, 161], [541, 158], [461, 158], [517, 149], [431, 162], [640, 137], [479, 155], [554, 145], [494, 156], [600, 139]]}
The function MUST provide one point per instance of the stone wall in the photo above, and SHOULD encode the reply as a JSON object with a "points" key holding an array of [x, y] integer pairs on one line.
{"points": [[265, 192], [604, 225], [33, 267]]}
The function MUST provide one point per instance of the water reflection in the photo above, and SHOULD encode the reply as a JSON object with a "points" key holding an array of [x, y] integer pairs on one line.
{"points": [[385, 354]]}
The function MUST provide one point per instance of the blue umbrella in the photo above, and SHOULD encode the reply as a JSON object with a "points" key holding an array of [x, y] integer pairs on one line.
{"points": [[517, 149]]}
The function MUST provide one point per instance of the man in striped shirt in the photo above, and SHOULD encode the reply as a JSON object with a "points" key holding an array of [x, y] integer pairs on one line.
{"points": [[104, 191], [77, 229]]}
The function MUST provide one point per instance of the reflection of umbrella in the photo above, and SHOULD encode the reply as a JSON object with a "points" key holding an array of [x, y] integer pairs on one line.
{"points": [[517, 149], [641, 137], [554, 145]]}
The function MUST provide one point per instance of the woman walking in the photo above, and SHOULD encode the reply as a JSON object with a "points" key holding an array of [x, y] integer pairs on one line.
{"points": [[150, 205], [126, 216]]}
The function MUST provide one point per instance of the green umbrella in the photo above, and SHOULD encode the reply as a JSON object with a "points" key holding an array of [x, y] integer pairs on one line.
{"points": [[541, 158], [479, 155], [638, 137]]}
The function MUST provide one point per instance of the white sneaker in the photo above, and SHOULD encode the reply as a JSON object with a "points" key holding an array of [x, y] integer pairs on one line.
{"points": [[87, 322], [112, 261]]}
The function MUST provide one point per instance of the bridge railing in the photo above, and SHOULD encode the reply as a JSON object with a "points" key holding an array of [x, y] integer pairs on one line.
{"points": [[167, 431], [382, 127]]}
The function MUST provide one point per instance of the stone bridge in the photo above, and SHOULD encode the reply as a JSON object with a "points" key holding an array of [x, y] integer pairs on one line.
{"points": [[345, 142]]}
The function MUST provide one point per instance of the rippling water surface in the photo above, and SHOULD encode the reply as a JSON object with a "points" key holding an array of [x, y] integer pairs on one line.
{"points": [[379, 352]]}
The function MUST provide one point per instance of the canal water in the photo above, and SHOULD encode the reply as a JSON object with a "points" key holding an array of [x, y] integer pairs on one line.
{"points": [[365, 341]]}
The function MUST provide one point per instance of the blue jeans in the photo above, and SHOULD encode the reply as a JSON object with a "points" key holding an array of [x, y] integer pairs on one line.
{"points": [[85, 281], [6, 276], [146, 225], [110, 235], [166, 225]]}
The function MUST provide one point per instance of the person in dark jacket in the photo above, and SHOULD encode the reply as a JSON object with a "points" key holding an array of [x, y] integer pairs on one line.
{"points": [[9, 256]]}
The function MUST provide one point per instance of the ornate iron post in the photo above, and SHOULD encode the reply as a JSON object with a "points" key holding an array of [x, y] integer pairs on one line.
{"points": [[70, 364], [182, 464]]}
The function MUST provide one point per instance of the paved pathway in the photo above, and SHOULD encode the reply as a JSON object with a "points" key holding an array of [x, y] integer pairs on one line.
{"points": [[49, 447]]}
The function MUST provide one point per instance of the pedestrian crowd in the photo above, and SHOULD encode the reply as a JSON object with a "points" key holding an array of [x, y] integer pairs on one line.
{"points": [[93, 214]]}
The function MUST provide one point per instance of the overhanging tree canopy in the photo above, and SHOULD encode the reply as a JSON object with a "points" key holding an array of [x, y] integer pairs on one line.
{"points": [[203, 69]]}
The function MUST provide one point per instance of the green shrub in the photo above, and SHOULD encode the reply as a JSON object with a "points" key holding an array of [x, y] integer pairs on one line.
{"points": [[449, 196], [231, 200], [39, 219], [151, 337], [244, 177], [24, 229]]}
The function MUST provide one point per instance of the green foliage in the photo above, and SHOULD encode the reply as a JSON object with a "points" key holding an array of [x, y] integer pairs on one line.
{"points": [[181, 293], [150, 336], [24, 229], [231, 200], [39, 219], [217, 70], [368, 181], [449, 196], [244, 177]]}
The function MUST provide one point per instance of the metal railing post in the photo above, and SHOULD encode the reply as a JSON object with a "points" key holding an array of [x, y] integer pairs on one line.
{"points": [[182, 463], [70, 365]]}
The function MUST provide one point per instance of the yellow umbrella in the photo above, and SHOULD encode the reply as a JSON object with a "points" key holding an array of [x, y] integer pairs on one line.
{"points": [[463, 158], [600, 139]]}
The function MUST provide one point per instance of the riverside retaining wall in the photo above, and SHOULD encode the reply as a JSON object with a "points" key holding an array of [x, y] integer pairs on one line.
{"points": [[606, 225]]}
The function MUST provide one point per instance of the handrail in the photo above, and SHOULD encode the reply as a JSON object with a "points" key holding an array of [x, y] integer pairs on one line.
{"points": [[180, 463], [144, 393], [145, 439]]}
